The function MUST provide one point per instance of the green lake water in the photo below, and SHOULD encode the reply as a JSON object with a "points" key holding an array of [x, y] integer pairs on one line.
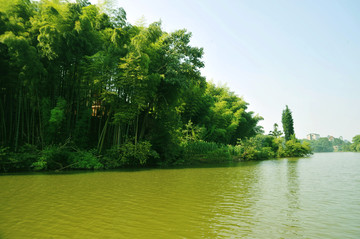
{"points": [[315, 197]]}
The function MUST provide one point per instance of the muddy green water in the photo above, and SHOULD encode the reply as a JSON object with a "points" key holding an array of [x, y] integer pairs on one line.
{"points": [[315, 197]]}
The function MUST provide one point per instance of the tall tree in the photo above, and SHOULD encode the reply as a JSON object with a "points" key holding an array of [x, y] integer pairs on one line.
{"points": [[288, 123]]}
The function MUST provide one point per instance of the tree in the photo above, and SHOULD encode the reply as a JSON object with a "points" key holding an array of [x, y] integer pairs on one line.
{"points": [[295, 148], [228, 119], [276, 133], [288, 123], [355, 146]]}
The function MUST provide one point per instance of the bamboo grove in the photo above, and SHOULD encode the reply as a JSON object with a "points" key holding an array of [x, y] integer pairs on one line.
{"points": [[79, 78]]}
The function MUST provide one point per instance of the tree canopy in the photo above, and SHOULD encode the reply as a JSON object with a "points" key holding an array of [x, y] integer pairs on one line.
{"points": [[288, 123]]}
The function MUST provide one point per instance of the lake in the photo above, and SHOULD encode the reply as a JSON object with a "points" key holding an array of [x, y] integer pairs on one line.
{"points": [[314, 197]]}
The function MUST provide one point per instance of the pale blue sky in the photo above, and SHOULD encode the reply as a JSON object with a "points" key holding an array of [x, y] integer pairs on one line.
{"points": [[300, 53]]}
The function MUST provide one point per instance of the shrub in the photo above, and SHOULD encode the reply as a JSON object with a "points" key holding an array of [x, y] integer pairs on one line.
{"points": [[85, 160], [294, 148], [204, 152], [27, 155], [129, 154], [22, 160], [258, 147], [5, 158], [53, 158]]}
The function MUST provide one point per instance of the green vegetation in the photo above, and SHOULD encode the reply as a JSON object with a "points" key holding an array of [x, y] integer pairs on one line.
{"points": [[81, 88], [276, 133], [288, 123], [355, 146]]}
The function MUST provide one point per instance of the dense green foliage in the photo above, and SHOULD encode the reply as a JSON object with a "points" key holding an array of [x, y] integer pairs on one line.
{"points": [[355, 146], [288, 123], [82, 88]]}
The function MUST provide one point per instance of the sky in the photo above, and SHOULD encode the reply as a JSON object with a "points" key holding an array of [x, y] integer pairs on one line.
{"points": [[300, 53]]}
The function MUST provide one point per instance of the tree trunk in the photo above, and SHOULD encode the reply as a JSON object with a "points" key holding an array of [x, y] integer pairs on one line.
{"points": [[143, 126], [18, 121], [136, 129], [3, 124], [103, 134]]}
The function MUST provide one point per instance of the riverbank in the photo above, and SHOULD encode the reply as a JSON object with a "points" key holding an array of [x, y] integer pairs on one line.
{"points": [[69, 157]]}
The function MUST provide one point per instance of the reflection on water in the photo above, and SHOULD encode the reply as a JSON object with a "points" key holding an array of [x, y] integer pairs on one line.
{"points": [[292, 196], [314, 197]]}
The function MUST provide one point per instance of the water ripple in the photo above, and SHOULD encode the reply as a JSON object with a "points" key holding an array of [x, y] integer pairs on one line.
{"points": [[314, 197]]}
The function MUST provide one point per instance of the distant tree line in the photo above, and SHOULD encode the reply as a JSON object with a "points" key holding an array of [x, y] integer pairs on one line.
{"points": [[80, 87], [323, 144]]}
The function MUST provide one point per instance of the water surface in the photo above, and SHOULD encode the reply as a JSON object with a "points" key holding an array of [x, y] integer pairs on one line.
{"points": [[315, 197]]}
